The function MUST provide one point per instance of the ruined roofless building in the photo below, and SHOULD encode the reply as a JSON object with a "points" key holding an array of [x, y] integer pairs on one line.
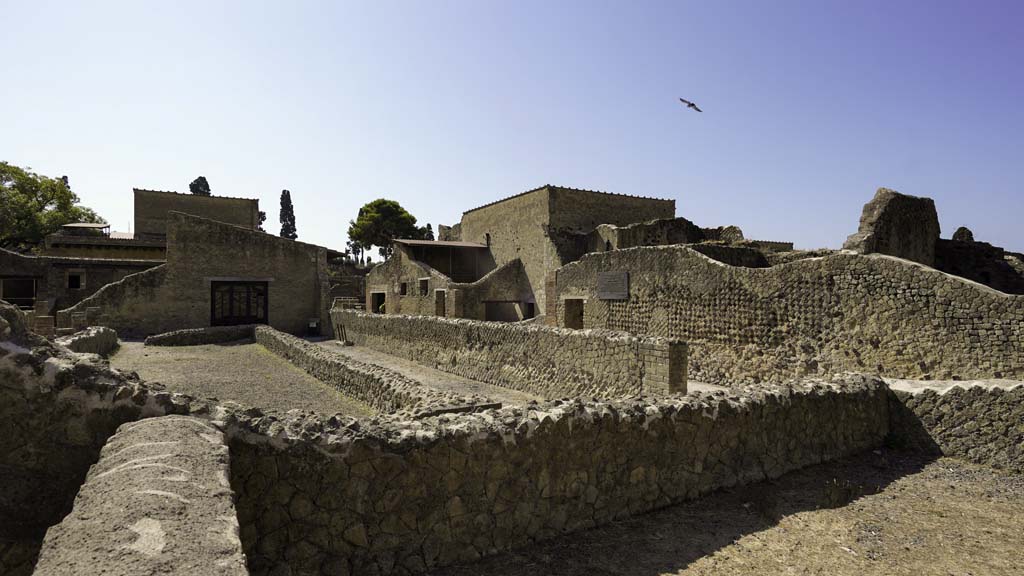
{"points": [[493, 264]]}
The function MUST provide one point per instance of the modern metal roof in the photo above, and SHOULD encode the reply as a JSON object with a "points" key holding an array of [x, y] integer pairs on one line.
{"points": [[439, 243], [86, 225]]}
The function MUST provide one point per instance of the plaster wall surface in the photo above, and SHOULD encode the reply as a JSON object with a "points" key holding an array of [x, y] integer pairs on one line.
{"points": [[158, 501]]}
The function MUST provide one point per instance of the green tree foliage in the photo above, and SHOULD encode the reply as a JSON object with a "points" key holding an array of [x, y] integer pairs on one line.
{"points": [[263, 218], [287, 216], [200, 187], [32, 206], [380, 222]]}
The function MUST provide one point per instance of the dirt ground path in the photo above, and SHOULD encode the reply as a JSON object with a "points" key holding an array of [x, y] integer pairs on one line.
{"points": [[240, 372], [431, 377], [912, 517]]}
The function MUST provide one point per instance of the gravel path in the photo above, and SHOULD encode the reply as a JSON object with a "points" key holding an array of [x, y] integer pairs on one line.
{"points": [[239, 372], [431, 376], [874, 515]]}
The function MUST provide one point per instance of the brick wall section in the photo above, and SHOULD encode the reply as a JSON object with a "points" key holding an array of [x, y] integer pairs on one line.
{"points": [[840, 312], [177, 294], [401, 498], [130, 519], [548, 362]]}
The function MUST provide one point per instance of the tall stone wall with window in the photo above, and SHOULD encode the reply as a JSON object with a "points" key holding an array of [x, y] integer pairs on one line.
{"points": [[813, 316], [199, 251]]}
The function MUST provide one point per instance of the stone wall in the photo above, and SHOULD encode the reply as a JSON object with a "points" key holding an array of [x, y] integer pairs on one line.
{"points": [[898, 225], [199, 336], [153, 206], [388, 277], [821, 315], [385, 390], [508, 283], [981, 262], [199, 251], [548, 362], [51, 275], [983, 423], [158, 501], [401, 498], [517, 229], [93, 340]]}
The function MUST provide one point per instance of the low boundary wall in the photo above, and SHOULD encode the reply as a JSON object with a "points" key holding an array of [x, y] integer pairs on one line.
{"points": [[983, 424], [198, 336], [549, 362], [158, 501], [385, 390], [401, 498]]}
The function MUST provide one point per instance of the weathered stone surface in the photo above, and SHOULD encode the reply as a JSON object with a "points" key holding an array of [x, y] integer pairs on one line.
{"points": [[963, 234], [983, 424], [94, 340], [545, 361], [386, 390], [197, 336], [157, 501], [813, 316], [897, 225], [401, 497]]}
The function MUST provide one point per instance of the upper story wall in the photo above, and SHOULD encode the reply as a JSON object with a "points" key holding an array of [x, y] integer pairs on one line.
{"points": [[517, 229], [584, 210], [812, 316], [152, 207]]}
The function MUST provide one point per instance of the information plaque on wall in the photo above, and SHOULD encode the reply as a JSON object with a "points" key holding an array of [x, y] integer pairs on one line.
{"points": [[613, 285]]}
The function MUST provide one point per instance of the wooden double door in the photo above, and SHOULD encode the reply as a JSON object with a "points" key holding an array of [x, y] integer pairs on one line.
{"points": [[233, 303]]}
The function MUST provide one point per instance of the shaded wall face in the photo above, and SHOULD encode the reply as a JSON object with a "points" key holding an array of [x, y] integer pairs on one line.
{"points": [[843, 312], [518, 229], [151, 210]]}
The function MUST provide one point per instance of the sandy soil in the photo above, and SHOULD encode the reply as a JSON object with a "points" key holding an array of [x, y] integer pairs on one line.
{"points": [[240, 372], [879, 514]]}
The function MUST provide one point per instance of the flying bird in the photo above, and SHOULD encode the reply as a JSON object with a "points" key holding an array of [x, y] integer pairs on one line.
{"points": [[690, 104]]}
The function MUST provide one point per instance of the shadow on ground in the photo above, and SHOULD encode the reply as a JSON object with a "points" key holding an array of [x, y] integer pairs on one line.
{"points": [[668, 540]]}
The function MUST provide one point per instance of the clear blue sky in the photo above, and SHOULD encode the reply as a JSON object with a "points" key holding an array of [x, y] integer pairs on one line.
{"points": [[808, 106]]}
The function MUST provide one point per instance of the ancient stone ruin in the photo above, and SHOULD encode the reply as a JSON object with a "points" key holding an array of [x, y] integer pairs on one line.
{"points": [[559, 360]]}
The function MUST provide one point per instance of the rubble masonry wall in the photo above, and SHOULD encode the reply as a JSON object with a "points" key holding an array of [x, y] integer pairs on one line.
{"points": [[401, 498], [548, 362], [840, 312]]}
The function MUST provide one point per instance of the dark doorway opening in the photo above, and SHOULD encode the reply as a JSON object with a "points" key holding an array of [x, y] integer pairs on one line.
{"points": [[234, 303], [439, 296], [20, 292], [573, 313], [377, 302]]}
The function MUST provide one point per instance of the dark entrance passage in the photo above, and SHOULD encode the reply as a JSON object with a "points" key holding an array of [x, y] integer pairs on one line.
{"points": [[19, 291], [233, 303]]}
